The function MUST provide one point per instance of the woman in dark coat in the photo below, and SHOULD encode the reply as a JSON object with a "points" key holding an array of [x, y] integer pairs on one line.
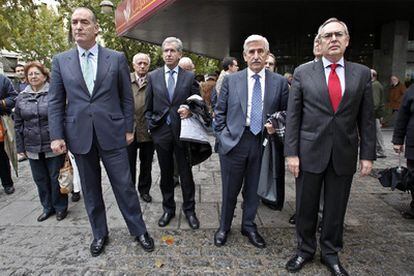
{"points": [[32, 139], [404, 129]]}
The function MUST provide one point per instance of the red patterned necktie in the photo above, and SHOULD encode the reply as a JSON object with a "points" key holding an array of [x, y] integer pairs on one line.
{"points": [[334, 87]]}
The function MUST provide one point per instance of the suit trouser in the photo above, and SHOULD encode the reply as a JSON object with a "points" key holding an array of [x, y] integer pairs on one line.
{"points": [[410, 166], [165, 152], [117, 168], [146, 153], [5, 171], [45, 172], [380, 139], [241, 165], [336, 194]]}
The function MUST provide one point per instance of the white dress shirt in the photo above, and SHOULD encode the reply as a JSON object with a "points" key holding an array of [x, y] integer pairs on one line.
{"points": [[93, 58], [250, 85], [167, 75], [340, 71]]}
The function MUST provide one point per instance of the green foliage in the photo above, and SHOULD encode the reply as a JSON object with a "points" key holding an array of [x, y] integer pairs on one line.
{"points": [[38, 33]]}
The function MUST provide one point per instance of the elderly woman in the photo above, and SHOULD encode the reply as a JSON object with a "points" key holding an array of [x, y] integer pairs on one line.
{"points": [[404, 130], [32, 137]]}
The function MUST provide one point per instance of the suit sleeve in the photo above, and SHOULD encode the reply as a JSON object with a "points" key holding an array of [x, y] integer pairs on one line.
{"points": [[284, 95], [18, 127], [366, 121], [125, 93], [149, 103], [8, 101], [56, 103], [293, 116], [221, 106], [195, 87], [404, 115]]}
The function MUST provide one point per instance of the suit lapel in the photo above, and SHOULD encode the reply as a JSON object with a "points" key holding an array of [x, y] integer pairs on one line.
{"points": [[242, 90], [319, 79], [75, 68], [269, 94], [349, 77], [102, 68]]}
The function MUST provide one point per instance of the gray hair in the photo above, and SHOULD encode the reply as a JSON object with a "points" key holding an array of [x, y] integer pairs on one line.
{"points": [[135, 58], [255, 38], [175, 40], [185, 61], [93, 16], [330, 20]]}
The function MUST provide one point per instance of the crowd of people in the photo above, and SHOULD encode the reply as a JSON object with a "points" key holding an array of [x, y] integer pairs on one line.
{"points": [[93, 109]]}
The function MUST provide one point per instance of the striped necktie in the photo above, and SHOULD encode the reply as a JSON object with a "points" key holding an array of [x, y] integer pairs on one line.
{"points": [[87, 71]]}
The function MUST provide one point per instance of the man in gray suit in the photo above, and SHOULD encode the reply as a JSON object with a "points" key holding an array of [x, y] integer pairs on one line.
{"points": [[91, 110], [168, 88], [245, 99], [330, 112]]}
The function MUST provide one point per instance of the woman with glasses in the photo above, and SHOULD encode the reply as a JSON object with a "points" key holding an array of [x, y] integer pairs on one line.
{"points": [[32, 138]]}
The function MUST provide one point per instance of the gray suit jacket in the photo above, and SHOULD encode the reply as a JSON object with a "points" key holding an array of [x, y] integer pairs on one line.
{"points": [[316, 134], [158, 105], [74, 114], [231, 107]]}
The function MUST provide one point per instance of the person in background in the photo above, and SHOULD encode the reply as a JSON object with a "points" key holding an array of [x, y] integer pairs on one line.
{"points": [[142, 139], [404, 130], [270, 63], [20, 82], [289, 78], [206, 89], [378, 96], [33, 140], [7, 101], [187, 64]]}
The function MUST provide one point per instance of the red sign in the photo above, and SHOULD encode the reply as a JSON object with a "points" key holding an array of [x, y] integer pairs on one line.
{"points": [[129, 13]]}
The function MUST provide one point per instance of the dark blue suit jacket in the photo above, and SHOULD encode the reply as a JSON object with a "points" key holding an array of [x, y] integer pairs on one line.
{"points": [[231, 107], [74, 114]]}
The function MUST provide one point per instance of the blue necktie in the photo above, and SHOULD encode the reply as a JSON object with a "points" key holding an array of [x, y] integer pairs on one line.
{"points": [[171, 84], [87, 70], [256, 111], [170, 87]]}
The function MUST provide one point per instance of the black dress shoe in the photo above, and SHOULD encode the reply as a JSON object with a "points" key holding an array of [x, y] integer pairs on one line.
{"points": [[146, 242], [296, 263], [61, 215], [146, 197], [75, 196], [9, 190], [44, 216], [165, 219], [273, 206], [193, 221], [254, 238], [98, 246], [335, 268], [292, 219], [220, 237]]}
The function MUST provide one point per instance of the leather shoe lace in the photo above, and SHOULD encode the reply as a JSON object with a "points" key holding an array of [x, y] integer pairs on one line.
{"points": [[98, 246], [335, 268], [193, 221], [165, 219], [296, 263], [255, 238], [146, 242]]}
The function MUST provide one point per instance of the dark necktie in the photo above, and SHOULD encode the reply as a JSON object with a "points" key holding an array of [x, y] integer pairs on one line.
{"points": [[171, 84], [334, 87], [256, 111]]}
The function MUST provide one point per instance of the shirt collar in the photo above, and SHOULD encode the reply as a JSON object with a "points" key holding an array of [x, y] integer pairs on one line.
{"points": [[250, 73], [327, 63], [93, 50], [167, 70]]}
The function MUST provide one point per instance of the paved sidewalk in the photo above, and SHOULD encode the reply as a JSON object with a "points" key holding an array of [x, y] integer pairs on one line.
{"points": [[377, 240]]}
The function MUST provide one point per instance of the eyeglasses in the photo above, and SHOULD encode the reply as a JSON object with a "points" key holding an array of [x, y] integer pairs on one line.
{"points": [[330, 35]]}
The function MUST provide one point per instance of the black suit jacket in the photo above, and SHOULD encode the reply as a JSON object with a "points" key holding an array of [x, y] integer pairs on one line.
{"points": [[316, 134], [158, 105]]}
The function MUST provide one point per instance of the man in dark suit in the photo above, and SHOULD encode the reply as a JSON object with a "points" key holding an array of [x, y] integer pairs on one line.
{"points": [[245, 99], [330, 112], [168, 87], [91, 109]]}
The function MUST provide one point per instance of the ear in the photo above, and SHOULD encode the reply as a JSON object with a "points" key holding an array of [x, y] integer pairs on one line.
{"points": [[96, 31], [347, 41]]}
